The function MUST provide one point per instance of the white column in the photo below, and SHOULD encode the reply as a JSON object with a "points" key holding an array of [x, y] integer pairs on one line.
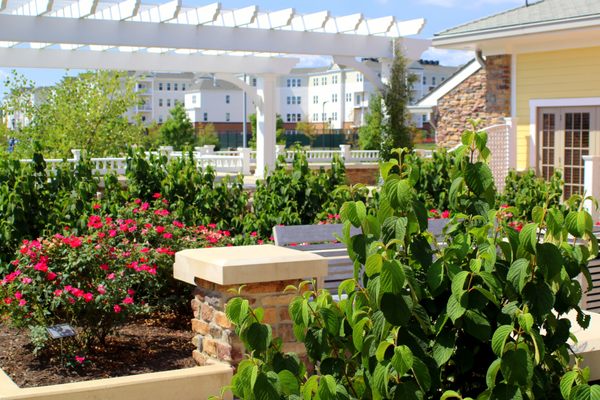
{"points": [[209, 149], [345, 152], [591, 182], [266, 124], [76, 154], [245, 156]]}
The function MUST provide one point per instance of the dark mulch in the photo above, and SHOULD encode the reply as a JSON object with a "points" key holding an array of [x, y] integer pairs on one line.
{"points": [[149, 345]]}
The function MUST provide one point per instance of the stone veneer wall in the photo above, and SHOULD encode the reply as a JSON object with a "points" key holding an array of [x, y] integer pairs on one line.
{"points": [[484, 95], [215, 337]]}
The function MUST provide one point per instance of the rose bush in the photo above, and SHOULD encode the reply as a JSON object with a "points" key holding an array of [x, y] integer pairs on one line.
{"points": [[120, 267]]}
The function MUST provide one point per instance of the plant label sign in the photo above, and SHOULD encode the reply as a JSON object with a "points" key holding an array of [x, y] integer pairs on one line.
{"points": [[61, 331]]}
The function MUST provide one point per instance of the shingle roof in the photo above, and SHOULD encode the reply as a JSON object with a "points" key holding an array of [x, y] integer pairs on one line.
{"points": [[540, 12]]}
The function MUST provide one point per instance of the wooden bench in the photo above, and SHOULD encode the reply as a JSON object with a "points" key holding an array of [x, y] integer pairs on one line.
{"points": [[321, 240]]}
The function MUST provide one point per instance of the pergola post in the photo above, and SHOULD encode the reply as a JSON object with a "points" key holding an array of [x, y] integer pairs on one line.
{"points": [[266, 124]]}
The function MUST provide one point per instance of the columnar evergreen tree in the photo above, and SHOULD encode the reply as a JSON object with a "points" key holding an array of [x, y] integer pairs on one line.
{"points": [[396, 97], [178, 130]]}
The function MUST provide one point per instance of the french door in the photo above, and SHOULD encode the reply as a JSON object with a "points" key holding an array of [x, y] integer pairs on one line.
{"points": [[565, 135]]}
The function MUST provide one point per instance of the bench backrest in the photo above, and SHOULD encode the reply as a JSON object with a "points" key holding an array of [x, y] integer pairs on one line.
{"points": [[320, 239]]}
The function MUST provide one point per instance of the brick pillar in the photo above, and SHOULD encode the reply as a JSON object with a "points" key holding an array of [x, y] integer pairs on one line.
{"points": [[215, 336], [265, 271]]}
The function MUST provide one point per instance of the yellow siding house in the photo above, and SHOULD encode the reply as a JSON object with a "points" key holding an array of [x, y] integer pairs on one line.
{"points": [[554, 51]]}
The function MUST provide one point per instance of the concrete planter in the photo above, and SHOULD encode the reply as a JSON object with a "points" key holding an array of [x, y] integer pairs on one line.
{"points": [[184, 384]]}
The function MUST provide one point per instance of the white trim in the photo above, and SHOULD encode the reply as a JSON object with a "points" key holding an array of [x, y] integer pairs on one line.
{"points": [[513, 87], [433, 97], [535, 104]]}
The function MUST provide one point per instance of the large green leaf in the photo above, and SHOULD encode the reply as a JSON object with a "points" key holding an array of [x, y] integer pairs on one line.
{"points": [[392, 277], [528, 237], [327, 388], [517, 366], [402, 360], [458, 283], [503, 391], [477, 325], [454, 309], [373, 264], [443, 347], [519, 273], [422, 374], [289, 382], [566, 383], [264, 389], [381, 379], [550, 259], [259, 337], [355, 212], [396, 308], [478, 178], [499, 339]]}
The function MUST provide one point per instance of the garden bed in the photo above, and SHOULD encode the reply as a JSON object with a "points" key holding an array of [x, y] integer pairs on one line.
{"points": [[144, 346]]}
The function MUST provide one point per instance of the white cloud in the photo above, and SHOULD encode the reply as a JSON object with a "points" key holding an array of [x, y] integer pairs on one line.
{"points": [[448, 57]]}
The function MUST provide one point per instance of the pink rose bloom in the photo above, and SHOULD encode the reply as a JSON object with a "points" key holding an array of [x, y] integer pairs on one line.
{"points": [[159, 229], [26, 280], [445, 214], [110, 276], [51, 276], [18, 295], [117, 308], [167, 235], [128, 300], [7, 300], [22, 302], [130, 292], [112, 233], [79, 359], [157, 195], [88, 297], [58, 292], [101, 289]]}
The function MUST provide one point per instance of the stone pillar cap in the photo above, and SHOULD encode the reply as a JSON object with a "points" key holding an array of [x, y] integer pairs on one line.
{"points": [[247, 264]]}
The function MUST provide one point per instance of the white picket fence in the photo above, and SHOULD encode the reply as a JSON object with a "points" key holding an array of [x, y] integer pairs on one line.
{"points": [[242, 160]]}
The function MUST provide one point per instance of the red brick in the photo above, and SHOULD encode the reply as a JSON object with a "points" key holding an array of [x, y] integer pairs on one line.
{"points": [[270, 316]]}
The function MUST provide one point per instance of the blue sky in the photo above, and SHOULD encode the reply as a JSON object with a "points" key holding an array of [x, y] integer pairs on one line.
{"points": [[439, 14]]}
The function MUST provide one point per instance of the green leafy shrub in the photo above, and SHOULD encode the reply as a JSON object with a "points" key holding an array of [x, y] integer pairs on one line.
{"points": [[34, 202], [121, 267], [483, 316], [525, 191], [293, 196]]}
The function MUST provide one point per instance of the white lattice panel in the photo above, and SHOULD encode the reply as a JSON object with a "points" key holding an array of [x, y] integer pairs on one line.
{"points": [[498, 143]]}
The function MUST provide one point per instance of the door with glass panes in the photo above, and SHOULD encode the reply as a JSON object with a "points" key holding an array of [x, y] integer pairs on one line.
{"points": [[565, 135]]}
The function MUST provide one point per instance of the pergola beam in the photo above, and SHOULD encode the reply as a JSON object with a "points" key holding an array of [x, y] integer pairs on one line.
{"points": [[180, 36], [114, 60]]}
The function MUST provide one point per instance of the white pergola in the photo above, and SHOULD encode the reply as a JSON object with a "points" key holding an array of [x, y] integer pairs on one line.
{"points": [[131, 36]]}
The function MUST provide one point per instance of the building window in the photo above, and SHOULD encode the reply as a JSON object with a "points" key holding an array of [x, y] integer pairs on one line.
{"points": [[227, 117], [433, 80], [168, 102], [289, 100], [324, 117], [168, 86], [205, 117], [359, 77], [160, 119], [160, 86], [315, 117], [334, 97], [424, 80], [298, 82], [175, 86], [289, 82], [298, 100], [160, 102], [357, 98], [423, 118], [140, 86], [315, 99], [443, 79], [143, 118], [183, 87], [227, 99], [324, 81], [194, 99], [288, 118], [334, 116], [298, 117], [348, 97], [315, 81], [334, 79]]}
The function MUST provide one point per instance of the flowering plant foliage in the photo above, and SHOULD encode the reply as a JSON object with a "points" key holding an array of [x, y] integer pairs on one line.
{"points": [[119, 268]]}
